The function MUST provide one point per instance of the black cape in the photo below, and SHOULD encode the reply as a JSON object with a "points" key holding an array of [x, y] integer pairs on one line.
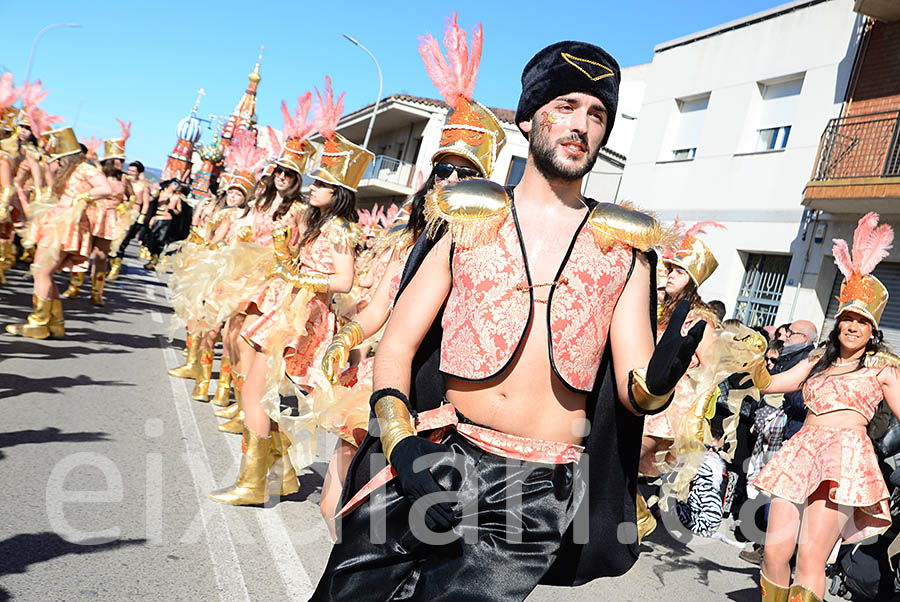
{"points": [[612, 452]]}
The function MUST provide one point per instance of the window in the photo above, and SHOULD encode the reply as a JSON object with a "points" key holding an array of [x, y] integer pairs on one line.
{"points": [[760, 293], [692, 113], [516, 169], [778, 112]]}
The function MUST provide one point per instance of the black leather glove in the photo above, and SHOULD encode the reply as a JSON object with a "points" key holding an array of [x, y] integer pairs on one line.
{"points": [[440, 516], [673, 353]]}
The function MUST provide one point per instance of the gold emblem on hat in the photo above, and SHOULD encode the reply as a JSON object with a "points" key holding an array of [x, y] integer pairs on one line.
{"points": [[574, 60]]}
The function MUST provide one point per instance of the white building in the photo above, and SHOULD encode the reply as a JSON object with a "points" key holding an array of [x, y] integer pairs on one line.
{"points": [[728, 130]]}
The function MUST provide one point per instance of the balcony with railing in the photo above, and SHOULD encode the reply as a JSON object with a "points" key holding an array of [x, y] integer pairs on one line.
{"points": [[858, 160], [387, 176]]}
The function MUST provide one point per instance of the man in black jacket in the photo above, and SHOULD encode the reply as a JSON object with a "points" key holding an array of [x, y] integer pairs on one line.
{"points": [[801, 339]]}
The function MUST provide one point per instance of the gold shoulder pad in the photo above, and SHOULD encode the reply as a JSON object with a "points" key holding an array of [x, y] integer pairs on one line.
{"points": [[473, 210], [621, 224], [882, 359], [341, 232]]}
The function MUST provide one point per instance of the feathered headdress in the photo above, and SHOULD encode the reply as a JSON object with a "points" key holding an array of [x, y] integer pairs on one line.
{"points": [[455, 75], [37, 119], [330, 112], [243, 162], [391, 214], [692, 254], [33, 94], [274, 141], [297, 153], [41, 121], [370, 220], [861, 292], [471, 131], [92, 145]]}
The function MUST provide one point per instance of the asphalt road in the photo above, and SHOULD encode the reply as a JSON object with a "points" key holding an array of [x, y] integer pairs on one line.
{"points": [[106, 464]]}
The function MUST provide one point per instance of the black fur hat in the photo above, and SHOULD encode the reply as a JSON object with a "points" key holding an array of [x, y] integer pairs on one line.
{"points": [[566, 67]]}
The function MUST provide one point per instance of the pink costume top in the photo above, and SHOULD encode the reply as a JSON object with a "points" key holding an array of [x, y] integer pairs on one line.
{"points": [[103, 216], [859, 391], [491, 305], [65, 226]]}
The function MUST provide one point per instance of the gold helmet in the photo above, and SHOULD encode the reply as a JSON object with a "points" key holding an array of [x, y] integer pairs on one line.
{"points": [[342, 162], [60, 143], [471, 130], [693, 256], [861, 292], [114, 148]]}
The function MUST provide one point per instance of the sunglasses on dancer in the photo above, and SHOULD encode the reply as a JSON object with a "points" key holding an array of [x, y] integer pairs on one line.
{"points": [[445, 170]]}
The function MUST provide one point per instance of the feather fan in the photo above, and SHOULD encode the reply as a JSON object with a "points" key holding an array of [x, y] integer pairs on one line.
{"points": [[455, 75]]}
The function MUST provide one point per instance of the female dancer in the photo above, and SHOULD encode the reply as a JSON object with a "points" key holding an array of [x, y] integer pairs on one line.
{"points": [[688, 267], [468, 147], [294, 300], [62, 234], [825, 482]]}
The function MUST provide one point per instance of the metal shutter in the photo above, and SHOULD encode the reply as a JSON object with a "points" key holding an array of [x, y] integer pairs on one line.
{"points": [[889, 274]]}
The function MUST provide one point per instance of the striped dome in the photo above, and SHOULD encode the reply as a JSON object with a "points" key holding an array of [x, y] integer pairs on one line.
{"points": [[189, 129]]}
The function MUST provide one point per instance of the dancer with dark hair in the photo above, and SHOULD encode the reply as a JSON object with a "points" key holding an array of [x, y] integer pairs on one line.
{"points": [[825, 482], [141, 204]]}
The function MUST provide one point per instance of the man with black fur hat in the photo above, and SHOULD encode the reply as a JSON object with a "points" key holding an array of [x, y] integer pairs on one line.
{"points": [[494, 382]]}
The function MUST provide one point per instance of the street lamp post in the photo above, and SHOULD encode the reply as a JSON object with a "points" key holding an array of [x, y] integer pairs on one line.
{"points": [[38, 37], [380, 89]]}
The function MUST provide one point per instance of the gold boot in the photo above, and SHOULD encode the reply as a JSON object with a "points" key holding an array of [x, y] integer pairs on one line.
{"points": [[7, 258], [282, 466], [201, 382], [770, 591], [798, 593], [151, 265], [250, 487], [27, 255], [57, 325], [236, 421], [76, 279], [36, 327], [115, 266], [144, 253], [191, 368], [223, 388], [97, 281], [646, 522]]}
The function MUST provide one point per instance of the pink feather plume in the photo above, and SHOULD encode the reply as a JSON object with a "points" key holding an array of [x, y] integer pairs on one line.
{"points": [[842, 257], [41, 121], [33, 95], [700, 228], [391, 214], [298, 125], [92, 144], [329, 113], [274, 141], [244, 155], [126, 129], [871, 243], [9, 93], [455, 75]]}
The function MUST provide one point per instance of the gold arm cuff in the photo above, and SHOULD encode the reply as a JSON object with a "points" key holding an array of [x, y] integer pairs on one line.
{"points": [[318, 283], [142, 218], [351, 334], [643, 398], [395, 422]]}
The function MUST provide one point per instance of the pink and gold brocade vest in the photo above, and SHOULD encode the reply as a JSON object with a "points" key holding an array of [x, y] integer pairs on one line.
{"points": [[490, 306]]}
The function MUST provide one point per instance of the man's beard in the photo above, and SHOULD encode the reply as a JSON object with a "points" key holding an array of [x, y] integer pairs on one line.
{"points": [[548, 163]]}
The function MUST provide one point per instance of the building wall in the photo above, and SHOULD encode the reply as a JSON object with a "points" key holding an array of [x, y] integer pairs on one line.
{"points": [[877, 85], [756, 195]]}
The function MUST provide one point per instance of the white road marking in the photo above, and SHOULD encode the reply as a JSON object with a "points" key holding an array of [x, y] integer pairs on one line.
{"points": [[224, 559], [148, 290], [154, 315]]}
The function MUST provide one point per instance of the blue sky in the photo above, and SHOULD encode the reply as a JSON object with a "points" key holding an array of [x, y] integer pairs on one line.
{"points": [[144, 62]]}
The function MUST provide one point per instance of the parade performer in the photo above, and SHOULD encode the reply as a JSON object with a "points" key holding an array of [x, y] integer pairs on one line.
{"points": [[687, 267], [456, 158], [169, 205], [542, 291], [825, 481], [289, 321], [107, 217], [141, 191], [62, 234]]}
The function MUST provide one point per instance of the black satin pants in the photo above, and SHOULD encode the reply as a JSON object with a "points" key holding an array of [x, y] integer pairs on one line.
{"points": [[514, 515]]}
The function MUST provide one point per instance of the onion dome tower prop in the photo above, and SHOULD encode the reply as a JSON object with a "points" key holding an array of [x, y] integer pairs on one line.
{"points": [[212, 156], [178, 165], [244, 114]]}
